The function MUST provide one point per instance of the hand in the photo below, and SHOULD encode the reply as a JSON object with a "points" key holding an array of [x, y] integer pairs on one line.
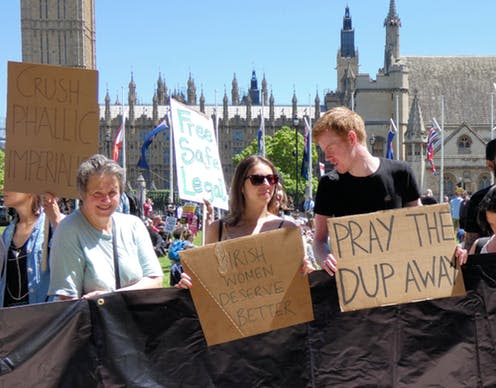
{"points": [[185, 281], [51, 208], [92, 294], [307, 266], [329, 264], [210, 211], [461, 255]]}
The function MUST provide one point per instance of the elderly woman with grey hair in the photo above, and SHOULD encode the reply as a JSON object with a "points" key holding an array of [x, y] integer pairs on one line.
{"points": [[96, 250]]}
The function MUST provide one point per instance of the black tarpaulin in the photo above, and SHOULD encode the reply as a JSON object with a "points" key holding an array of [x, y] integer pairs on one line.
{"points": [[152, 338]]}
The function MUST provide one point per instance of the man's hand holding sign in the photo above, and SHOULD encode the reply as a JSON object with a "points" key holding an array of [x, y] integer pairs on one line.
{"points": [[395, 256]]}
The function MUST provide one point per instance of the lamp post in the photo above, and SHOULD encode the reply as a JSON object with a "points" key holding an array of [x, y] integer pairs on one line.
{"points": [[295, 124], [141, 192]]}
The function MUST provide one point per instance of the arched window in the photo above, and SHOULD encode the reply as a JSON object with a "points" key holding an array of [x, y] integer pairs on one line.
{"points": [[484, 181], [449, 185], [464, 143]]}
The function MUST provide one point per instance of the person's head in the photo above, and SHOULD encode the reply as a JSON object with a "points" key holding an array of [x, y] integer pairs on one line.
{"points": [[99, 182], [18, 200], [428, 193], [338, 132], [491, 155], [177, 233], [188, 235], [486, 215], [255, 179]]}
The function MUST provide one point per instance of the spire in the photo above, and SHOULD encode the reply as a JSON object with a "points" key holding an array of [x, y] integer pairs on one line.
{"points": [[191, 93], [415, 131], [392, 47], [347, 36], [254, 92], [294, 101], [235, 91]]}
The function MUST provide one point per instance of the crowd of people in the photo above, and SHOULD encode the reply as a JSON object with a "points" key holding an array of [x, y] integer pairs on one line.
{"points": [[97, 248]]}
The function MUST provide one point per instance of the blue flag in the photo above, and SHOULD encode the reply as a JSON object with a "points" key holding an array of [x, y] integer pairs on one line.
{"points": [[142, 163], [389, 148]]}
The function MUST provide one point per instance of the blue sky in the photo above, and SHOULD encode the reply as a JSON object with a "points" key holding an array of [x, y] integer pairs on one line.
{"points": [[293, 43]]}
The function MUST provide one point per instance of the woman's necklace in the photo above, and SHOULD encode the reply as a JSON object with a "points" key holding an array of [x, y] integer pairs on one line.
{"points": [[17, 280]]}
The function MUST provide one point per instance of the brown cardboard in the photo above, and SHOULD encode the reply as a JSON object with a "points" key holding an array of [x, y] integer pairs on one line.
{"points": [[52, 126], [395, 256], [249, 285]]}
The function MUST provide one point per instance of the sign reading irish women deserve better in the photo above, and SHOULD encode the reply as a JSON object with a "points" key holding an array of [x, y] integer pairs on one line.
{"points": [[198, 166], [249, 285], [52, 125], [395, 256]]}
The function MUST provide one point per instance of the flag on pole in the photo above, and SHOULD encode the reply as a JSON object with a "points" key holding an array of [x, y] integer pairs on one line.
{"points": [[118, 142], [322, 168], [261, 140], [432, 138], [390, 136], [306, 149], [142, 163]]}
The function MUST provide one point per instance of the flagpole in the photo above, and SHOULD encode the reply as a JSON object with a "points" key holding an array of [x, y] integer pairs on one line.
{"points": [[124, 166], [442, 152], [397, 128], [171, 162], [310, 182], [263, 126], [441, 183]]}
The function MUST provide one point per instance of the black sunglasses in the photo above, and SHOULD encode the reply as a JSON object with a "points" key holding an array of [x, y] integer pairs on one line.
{"points": [[257, 180]]}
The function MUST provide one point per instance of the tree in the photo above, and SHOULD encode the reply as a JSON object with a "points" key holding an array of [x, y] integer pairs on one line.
{"points": [[280, 149]]}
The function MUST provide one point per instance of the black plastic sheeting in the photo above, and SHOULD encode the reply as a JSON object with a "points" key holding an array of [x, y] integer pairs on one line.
{"points": [[152, 338]]}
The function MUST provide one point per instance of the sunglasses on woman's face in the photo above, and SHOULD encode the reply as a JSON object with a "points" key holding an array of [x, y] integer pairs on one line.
{"points": [[257, 180]]}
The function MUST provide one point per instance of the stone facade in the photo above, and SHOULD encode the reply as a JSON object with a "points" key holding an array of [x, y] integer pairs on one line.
{"points": [[59, 32]]}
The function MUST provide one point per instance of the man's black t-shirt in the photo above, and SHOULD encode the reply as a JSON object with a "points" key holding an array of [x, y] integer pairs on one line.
{"points": [[392, 186]]}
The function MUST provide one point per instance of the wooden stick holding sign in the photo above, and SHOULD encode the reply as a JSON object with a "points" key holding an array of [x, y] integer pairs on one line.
{"points": [[249, 285], [395, 256]]}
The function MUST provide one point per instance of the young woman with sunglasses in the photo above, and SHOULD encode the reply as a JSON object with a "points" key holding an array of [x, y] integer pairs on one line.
{"points": [[251, 196]]}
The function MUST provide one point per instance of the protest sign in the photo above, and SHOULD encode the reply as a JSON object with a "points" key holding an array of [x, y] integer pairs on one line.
{"points": [[198, 165], [395, 256], [52, 126], [249, 285], [170, 224]]}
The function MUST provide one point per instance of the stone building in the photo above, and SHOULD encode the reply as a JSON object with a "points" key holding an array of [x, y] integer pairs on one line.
{"points": [[456, 91], [412, 91]]}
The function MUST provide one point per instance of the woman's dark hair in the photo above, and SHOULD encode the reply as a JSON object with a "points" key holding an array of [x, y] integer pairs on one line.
{"points": [[488, 203]]}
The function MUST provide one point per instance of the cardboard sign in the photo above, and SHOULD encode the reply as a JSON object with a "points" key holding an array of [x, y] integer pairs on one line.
{"points": [[395, 256], [52, 126], [249, 285], [198, 165]]}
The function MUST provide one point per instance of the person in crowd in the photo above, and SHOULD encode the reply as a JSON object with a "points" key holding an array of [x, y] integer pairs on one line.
{"points": [[455, 203], [472, 229], [26, 271], [360, 183], [428, 198], [486, 218], [97, 250], [148, 208], [464, 209], [184, 240], [251, 196]]}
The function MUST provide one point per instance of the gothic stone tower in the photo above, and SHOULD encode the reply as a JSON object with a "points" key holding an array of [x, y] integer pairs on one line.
{"points": [[59, 32]]}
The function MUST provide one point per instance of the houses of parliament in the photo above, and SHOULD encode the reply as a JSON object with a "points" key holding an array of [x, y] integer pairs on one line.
{"points": [[411, 91]]}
